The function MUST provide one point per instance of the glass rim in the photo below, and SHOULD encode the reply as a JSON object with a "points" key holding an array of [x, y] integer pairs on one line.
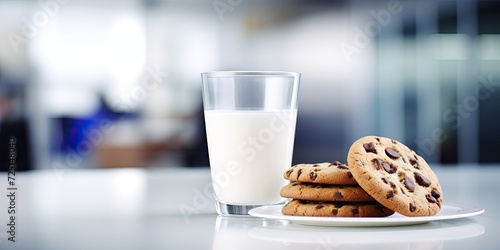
{"points": [[249, 73]]}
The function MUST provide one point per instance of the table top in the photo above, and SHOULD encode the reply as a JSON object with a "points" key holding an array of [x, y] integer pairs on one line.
{"points": [[172, 208]]}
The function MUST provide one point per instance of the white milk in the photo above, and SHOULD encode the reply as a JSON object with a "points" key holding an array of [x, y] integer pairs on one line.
{"points": [[249, 151]]}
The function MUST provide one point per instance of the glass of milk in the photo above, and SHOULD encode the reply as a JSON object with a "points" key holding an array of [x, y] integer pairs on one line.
{"points": [[250, 119]]}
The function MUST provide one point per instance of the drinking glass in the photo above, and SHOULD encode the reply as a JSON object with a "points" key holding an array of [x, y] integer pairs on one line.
{"points": [[250, 119]]}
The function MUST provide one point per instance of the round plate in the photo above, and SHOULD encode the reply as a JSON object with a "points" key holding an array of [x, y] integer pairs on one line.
{"points": [[447, 212]]}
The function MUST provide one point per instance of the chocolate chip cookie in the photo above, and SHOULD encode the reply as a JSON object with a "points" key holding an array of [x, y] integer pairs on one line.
{"points": [[395, 176], [335, 209], [325, 192], [325, 173]]}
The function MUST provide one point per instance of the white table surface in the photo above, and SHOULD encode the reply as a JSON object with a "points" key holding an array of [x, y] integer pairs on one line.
{"points": [[172, 208]]}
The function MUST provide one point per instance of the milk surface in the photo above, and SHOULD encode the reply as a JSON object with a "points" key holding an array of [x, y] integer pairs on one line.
{"points": [[249, 151]]}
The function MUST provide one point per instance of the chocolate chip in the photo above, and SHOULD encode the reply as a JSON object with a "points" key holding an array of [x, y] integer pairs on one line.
{"points": [[315, 165], [355, 211], [392, 153], [393, 141], [319, 206], [412, 207], [289, 172], [338, 195], [336, 163], [421, 180], [349, 174], [342, 166], [299, 172], [370, 147], [414, 162], [389, 168], [390, 194], [409, 184], [435, 194], [385, 180], [430, 198], [313, 176], [378, 139], [378, 163], [335, 211]]}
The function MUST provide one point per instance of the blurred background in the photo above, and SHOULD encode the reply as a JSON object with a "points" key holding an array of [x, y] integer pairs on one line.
{"points": [[107, 84]]}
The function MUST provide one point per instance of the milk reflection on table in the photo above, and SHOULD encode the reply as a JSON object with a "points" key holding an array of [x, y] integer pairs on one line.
{"points": [[232, 233], [249, 151]]}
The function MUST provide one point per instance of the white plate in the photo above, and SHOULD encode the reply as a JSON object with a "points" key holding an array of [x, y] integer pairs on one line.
{"points": [[448, 212]]}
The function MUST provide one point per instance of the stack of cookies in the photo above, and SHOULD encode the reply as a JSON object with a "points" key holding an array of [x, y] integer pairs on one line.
{"points": [[382, 176], [328, 189]]}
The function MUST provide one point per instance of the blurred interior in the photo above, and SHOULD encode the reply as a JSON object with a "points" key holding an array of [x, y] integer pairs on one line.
{"points": [[107, 84]]}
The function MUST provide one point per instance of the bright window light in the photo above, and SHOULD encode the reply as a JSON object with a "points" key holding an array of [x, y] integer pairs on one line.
{"points": [[126, 48]]}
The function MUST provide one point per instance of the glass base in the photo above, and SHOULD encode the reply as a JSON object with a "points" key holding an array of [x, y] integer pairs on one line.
{"points": [[234, 210]]}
